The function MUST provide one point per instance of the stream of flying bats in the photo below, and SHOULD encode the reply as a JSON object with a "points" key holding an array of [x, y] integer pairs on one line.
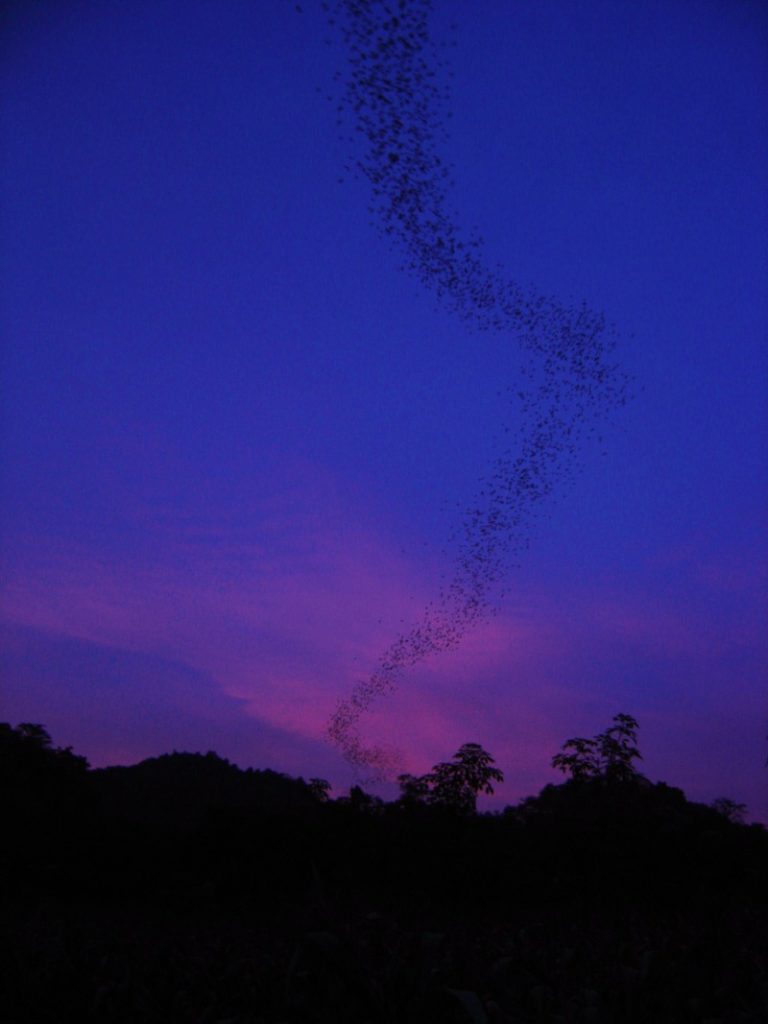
{"points": [[568, 386]]}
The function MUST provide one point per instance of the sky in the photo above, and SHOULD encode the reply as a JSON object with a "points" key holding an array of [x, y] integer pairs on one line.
{"points": [[243, 431]]}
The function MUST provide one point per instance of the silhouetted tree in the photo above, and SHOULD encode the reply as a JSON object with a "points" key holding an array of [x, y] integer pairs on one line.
{"points": [[320, 788], [414, 789], [730, 809], [609, 755], [29, 748], [457, 783], [360, 801]]}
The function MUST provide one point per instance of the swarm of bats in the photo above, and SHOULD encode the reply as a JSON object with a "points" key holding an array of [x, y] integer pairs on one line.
{"points": [[569, 386]]}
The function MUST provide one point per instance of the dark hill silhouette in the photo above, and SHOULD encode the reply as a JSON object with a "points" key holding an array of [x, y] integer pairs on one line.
{"points": [[27, 756], [45, 799], [180, 790], [185, 888]]}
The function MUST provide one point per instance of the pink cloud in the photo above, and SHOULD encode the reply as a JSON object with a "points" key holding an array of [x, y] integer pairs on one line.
{"points": [[285, 618]]}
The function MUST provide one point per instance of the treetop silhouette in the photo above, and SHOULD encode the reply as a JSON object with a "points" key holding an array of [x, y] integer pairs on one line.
{"points": [[454, 784], [607, 756]]}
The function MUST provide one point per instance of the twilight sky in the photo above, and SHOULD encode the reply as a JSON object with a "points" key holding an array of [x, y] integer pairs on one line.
{"points": [[239, 440]]}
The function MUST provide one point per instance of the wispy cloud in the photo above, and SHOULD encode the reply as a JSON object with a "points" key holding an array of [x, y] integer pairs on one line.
{"points": [[259, 637]]}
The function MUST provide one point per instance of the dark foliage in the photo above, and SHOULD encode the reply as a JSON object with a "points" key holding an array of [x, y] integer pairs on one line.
{"points": [[185, 889], [454, 784], [608, 756], [182, 790]]}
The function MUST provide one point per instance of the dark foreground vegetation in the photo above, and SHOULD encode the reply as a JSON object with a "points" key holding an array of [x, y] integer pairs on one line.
{"points": [[183, 889]]}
